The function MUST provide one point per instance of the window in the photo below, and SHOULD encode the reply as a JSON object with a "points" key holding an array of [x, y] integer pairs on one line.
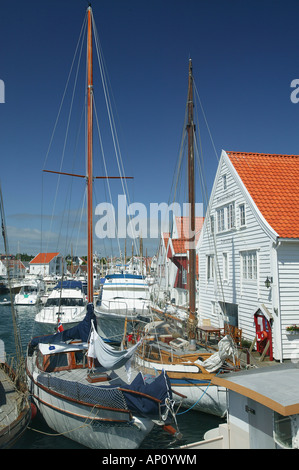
{"points": [[56, 361], [231, 216], [249, 265], [225, 266], [242, 215], [224, 180], [283, 430], [184, 276], [210, 267], [226, 217], [212, 222], [220, 220]]}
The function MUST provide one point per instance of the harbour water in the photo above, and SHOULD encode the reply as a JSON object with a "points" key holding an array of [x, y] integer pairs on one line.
{"points": [[192, 424]]}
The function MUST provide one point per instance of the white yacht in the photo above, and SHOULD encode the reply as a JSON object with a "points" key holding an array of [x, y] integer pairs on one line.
{"points": [[122, 297], [29, 294], [65, 306]]}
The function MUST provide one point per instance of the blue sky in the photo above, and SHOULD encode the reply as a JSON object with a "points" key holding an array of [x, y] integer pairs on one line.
{"points": [[245, 55]]}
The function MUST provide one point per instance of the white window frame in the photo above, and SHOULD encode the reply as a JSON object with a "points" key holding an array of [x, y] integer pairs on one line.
{"points": [[210, 267], [231, 216], [184, 275], [226, 217], [221, 220], [212, 224], [225, 267], [249, 260], [242, 215]]}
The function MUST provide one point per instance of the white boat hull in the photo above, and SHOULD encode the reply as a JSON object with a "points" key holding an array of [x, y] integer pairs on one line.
{"points": [[83, 425], [93, 415], [47, 318], [206, 398], [21, 299], [209, 399]]}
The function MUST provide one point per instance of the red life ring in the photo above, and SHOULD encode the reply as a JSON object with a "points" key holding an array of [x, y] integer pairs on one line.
{"points": [[262, 335]]}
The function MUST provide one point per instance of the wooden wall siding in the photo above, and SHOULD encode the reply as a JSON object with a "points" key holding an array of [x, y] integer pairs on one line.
{"points": [[288, 271]]}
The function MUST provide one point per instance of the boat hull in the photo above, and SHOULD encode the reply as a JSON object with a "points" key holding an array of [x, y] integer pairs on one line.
{"points": [[21, 299], [88, 425], [199, 394], [205, 398], [12, 433], [15, 408], [47, 318]]}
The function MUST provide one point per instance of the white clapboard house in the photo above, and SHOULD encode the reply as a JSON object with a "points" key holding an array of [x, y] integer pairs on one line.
{"points": [[47, 264], [249, 250]]}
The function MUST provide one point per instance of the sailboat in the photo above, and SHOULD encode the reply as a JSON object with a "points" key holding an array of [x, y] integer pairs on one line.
{"points": [[15, 406], [189, 365], [84, 388]]}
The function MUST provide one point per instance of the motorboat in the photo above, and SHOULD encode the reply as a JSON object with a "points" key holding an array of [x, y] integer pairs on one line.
{"points": [[123, 298], [65, 307], [29, 294]]}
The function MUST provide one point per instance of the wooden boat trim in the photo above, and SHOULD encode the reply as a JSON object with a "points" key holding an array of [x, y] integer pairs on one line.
{"points": [[150, 364], [59, 395], [91, 418], [140, 394]]}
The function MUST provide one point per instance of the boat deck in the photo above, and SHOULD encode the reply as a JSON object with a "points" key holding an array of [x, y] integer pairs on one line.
{"points": [[10, 400], [116, 378]]}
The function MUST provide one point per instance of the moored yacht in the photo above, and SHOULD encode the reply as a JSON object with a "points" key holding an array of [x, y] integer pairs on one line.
{"points": [[123, 297], [29, 294], [66, 306]]}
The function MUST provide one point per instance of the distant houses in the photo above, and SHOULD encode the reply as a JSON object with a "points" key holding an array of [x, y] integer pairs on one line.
{"points": [[47, 264], [172, 261], [15, 266]]}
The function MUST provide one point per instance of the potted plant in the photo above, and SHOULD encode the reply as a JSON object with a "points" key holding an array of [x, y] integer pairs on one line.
{"points": [[292, 329]]}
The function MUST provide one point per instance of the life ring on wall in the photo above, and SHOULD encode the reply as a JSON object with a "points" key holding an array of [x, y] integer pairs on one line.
{"points": [[262, 335]]}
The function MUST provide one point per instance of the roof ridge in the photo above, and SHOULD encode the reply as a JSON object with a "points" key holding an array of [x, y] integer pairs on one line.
{"points": [[261, 153]]}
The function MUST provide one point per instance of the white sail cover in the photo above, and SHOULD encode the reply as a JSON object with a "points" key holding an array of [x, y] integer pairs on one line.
{"points": [[107, 356], [225, 350]]}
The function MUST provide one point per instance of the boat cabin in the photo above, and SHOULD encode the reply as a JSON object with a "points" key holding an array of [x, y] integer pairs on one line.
{"points": [[56, 357]]}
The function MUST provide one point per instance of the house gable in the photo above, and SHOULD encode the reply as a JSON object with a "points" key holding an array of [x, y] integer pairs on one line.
{"points": [[272, 181]]}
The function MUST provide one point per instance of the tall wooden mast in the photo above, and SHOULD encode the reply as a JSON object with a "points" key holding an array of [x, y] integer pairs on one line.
{"points": [[191, 186], [89, 177], [89, 158]]}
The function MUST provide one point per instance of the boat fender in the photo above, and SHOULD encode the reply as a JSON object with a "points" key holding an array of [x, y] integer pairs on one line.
{"points": [[171, 430], [33, 411], [262, 335]]}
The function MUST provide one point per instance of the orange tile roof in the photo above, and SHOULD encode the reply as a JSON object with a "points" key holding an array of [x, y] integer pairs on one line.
{"points": [[165, 236], [43, 258], [179, 245], [182, 224], [273, 183]]}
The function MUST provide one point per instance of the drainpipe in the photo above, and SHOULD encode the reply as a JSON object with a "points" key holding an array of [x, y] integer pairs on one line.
{"points": [[276, 297]]}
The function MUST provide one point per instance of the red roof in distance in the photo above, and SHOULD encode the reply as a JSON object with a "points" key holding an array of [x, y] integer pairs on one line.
{"points": [[43, 258]]}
